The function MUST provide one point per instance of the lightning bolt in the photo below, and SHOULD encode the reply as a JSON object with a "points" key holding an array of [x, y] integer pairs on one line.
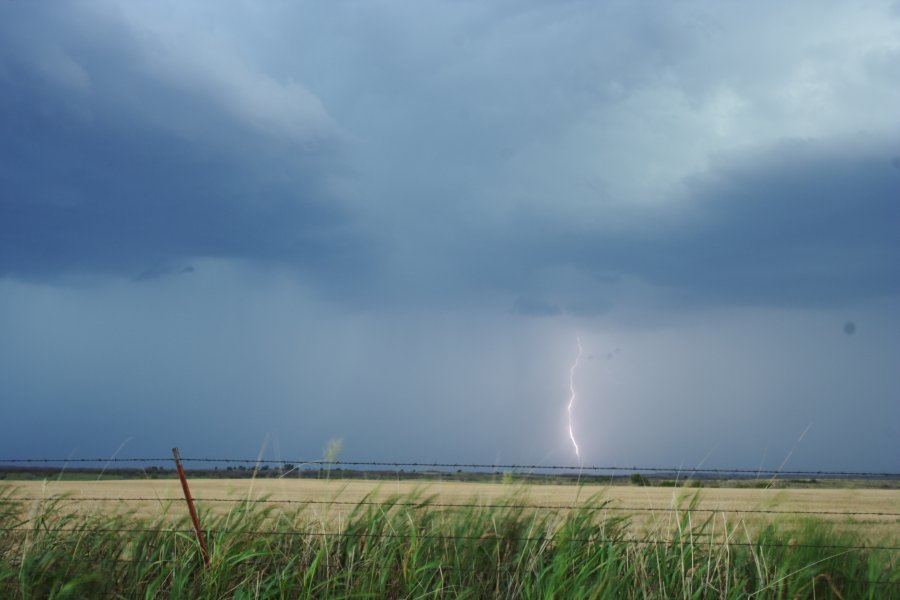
{"points": [[572, 395]]}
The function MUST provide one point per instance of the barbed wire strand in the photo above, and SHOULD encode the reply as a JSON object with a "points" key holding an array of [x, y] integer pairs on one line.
{"points": [[456, 465], [426, 504], [448, 537], [716, 537], [436, 567]]}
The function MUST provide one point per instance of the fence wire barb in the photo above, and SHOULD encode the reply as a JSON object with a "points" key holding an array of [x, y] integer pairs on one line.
{"points": [[448, 537], [436, 567], [425, 504], [459, 465]]}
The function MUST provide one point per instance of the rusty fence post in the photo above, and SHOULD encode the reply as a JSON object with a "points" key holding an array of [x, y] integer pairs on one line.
{"points": [[190, 502]]}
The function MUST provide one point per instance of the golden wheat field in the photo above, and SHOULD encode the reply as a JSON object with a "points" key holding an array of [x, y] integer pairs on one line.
{"points": [[651, 509]]}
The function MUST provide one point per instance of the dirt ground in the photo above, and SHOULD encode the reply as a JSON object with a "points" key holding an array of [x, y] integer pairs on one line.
{"points": [[650, 507]]}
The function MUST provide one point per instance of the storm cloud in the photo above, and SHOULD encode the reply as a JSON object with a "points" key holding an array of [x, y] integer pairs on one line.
{"points": [[435, 196]]}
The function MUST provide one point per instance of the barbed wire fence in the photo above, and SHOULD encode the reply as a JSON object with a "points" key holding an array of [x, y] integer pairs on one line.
{"points": [[441, 469], [454, 505], [477, 467]]}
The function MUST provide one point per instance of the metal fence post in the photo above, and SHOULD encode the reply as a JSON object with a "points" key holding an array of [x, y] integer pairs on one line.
{"points": [[190, 502]]}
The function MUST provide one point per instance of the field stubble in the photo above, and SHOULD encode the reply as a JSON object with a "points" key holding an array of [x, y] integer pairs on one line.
{"points": [[651, 510]]}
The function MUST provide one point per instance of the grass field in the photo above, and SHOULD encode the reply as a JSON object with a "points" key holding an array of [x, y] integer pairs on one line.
{"points": [[404, 539], [333, 500]]}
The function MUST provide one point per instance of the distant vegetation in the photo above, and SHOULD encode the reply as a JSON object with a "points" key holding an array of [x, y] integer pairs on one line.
{"points": [[406, 548], [326, 472]]}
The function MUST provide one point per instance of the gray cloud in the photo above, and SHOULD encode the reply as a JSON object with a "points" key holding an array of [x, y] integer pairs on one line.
{"points": [[214, 364], [124, 170], [798, 224], [132, 146], [274, 216], [535, 307], [804, 223]]}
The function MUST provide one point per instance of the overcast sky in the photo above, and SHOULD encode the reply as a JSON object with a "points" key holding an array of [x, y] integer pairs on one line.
{"points": [[230, 223]]}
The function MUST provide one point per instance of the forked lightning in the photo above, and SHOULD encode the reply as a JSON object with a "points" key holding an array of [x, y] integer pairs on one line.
{"points": [[572, 396]]}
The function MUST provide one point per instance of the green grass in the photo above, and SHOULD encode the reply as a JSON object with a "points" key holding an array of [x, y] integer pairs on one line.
{"points": [[389, 550]]}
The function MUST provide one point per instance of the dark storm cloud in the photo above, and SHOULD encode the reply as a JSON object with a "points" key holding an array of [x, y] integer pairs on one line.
{"points": [[535, 307], [800, 224], [439, 163], [385, 221], [97, 200], [106, 168], [806, 223]]}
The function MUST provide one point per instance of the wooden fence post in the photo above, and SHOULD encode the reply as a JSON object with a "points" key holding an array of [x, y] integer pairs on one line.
{"points": [[190, 502]]}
